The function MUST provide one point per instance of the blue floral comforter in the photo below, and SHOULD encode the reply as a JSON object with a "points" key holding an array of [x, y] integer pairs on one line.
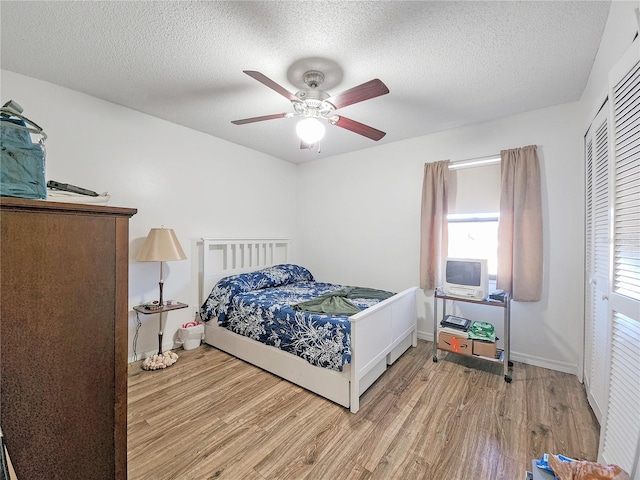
{"points": [[259, 305]]}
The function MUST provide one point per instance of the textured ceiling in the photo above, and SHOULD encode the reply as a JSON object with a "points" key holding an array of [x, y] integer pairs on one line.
{"points": [[446, 64]]}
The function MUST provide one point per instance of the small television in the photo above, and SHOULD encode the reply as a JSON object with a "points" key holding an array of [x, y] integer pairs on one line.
{"points": [[466, 277]]}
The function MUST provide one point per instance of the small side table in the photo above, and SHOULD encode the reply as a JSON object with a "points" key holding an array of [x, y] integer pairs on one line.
{"points": [[143, 309]]}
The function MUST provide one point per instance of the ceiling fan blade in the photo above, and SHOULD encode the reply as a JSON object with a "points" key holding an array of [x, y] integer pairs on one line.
{"points": [[371, 89], [359, 128], [259, 119], [272, 85], [305, 146]]}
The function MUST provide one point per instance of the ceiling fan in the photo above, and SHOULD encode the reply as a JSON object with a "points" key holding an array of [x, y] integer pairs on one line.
{"points": [[314, 105]]}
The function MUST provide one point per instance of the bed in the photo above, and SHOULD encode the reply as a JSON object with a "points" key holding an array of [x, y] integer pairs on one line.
{"points": [[364, 343]]}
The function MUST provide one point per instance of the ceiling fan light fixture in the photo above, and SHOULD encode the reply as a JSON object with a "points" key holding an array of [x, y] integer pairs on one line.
{"points": [[314, 105], [310, 130]]}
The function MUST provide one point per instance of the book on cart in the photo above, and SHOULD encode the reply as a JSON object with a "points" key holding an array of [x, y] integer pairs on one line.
{"points": [[457, 323], [454, 331]]}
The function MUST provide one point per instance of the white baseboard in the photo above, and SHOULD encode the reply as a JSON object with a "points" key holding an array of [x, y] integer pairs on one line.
{"points": [[528, 359], [428, 336], [515, 356], [545, 363]]}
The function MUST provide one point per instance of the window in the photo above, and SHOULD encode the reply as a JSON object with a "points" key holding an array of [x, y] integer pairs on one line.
{"points": [[474, 203], [475, 236]]}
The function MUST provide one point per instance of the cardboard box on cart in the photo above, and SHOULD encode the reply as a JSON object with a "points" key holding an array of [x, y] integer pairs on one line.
{"points": [[484, 349], [454, 343]]}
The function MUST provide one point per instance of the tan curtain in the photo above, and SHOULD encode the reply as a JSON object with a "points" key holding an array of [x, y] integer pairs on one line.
{"points": [[520, 227], [433, 223]]}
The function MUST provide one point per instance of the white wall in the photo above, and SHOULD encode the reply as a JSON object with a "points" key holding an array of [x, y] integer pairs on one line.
{"points": [[196, 184], [354, 218], [359, 217], [358, 214], [619, 32]]}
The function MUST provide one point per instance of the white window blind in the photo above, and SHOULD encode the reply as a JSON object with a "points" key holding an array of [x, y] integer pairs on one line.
{"points": [[626, 99], [474, 189]]}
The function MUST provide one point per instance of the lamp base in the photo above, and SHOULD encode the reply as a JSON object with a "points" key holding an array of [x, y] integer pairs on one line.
{"points": [[160, 361]]}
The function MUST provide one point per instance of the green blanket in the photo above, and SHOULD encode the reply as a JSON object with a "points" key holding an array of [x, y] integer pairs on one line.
{"points": [[337, 302], [482, 331]]}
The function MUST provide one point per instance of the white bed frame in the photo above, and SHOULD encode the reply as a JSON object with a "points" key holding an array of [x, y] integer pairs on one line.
{"points": [[379, 334]]}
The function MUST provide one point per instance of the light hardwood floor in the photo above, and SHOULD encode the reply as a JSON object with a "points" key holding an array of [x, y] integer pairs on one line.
{"points": [[213, 416]]}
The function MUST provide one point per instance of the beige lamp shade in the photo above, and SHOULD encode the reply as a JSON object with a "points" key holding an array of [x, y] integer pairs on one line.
{"points": [[161, 245]]}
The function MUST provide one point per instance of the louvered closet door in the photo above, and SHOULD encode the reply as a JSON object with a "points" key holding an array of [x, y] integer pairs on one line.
{"points": [[620, 431], [597, 261], [588, 261]]}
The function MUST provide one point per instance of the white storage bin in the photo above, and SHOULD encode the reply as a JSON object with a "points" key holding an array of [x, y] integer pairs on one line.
{"points": [[191, 336]]}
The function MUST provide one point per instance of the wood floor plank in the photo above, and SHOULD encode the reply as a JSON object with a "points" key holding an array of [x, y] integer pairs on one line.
{"points": [[213, 416], [299, 451], [386, 431], [584, 419], [331, 464], [541, 388], [509, 427]]}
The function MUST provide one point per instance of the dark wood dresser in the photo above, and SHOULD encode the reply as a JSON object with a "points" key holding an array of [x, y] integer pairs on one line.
{"points": [[63, 338]]}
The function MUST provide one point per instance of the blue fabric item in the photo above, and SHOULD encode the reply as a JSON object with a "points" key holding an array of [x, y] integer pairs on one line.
{"points": [[22, 172], [220, 298], [266, 315], [259, 305]]}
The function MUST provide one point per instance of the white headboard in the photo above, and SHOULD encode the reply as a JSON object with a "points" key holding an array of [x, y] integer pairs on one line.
{"points": [[223, 257]]}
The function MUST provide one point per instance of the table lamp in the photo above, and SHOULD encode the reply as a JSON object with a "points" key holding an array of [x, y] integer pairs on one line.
{"points": [[161, 246]]}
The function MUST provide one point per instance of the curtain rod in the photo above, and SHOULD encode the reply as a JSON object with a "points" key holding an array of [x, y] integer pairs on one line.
{"points": [[475, 162]]}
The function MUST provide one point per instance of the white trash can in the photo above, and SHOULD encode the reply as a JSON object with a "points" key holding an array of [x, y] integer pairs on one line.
{"points": [[191, 335]]}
